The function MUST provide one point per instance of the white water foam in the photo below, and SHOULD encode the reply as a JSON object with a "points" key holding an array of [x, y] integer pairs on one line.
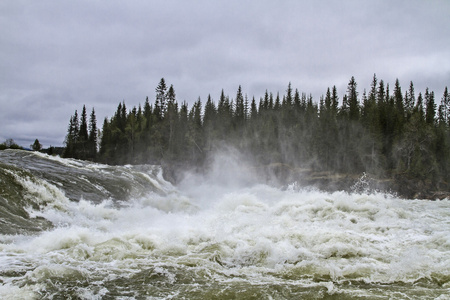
{"points": [[260, 233], [228, 233]]}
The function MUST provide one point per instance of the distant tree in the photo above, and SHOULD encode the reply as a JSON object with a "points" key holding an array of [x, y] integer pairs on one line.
{"points": [[445, 101], [160, 104], [71, 140], [209, 123], [410, 100], [106, 147], [93, 135], [430, 107], [224, 116], [400, 107], [277, 105], [147, 114], [253, 109], [36, 146], [353, 104], [239, 112], [83, 134], [171, 121], [195, 134], [418, 108]]}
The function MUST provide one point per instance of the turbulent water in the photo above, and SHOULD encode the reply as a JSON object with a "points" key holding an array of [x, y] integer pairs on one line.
{"points": [[78, 230]]}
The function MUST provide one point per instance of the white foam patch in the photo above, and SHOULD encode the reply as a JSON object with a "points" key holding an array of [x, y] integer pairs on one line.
{"points": [[257, 232]]}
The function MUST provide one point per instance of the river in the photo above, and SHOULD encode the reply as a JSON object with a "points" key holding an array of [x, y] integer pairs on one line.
{"points": [[78, 230]]}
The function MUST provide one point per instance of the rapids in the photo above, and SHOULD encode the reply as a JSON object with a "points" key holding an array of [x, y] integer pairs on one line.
{"points": [[77, 230]]}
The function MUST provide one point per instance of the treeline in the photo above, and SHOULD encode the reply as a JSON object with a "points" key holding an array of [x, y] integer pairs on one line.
{"points": [[380, 132]]}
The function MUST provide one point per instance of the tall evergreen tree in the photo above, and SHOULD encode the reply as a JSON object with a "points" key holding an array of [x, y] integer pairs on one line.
{"points": [[160, 104], [353, 103], [83, 136], [239, 112], [446, 106], [430, 107], [410, 100], [398, 96], [253, 110], [171, 119], [72, 136], [93, 135]]}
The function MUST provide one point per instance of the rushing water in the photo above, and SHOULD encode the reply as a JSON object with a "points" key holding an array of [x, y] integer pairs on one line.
{"points": [[78, 230]]}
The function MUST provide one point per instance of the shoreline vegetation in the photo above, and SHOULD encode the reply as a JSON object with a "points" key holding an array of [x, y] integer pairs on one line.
{"points": [[395, 141]]}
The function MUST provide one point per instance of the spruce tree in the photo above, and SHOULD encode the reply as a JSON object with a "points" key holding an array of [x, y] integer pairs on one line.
{"points": [[83, 136], [253, 109], [446, 106], [353, 104], [161, 90], [171, 120], [239, 112], [410, 100], [210, 122], [72, 136], [430, 107], [93, 135]]}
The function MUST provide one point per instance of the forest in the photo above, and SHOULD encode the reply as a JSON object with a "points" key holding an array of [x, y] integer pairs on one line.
{"points": [[400, 136]]}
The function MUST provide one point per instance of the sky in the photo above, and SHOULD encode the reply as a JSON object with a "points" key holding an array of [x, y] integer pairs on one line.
{"points": [[56, 56]]}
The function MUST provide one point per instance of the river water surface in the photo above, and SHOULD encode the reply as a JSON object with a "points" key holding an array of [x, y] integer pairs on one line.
{"points": [[78, 230]]}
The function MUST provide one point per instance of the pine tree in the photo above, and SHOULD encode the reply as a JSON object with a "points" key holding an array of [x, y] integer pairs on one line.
{"points": [[239, 113], [36, 145], [195, 131], [105, 143], [210, 122], [334, 101], [410, 100], [266, 101], [224, 116], [93, 135], [160, 103], [277, 105], [72, 136], [253, 110], [344, 110], [210, 113], [353, 104], [147, 114], [399, 110], [398, 96], [83, 136], [246, 108], [171, 120], [445, 101], [430, 107], [418, 109]]}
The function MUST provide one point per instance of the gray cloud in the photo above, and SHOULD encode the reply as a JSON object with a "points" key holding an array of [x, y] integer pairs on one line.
{"points": [[56, 56]]}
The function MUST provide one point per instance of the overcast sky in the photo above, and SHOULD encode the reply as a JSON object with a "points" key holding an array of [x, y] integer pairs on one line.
{"points": [[56, 56]]}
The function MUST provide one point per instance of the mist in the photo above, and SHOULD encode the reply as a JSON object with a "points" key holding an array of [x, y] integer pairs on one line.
{"points": [[397, 139]]}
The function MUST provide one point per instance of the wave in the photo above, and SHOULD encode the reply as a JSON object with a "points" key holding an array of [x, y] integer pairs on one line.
{"points": [[33, 182]]}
